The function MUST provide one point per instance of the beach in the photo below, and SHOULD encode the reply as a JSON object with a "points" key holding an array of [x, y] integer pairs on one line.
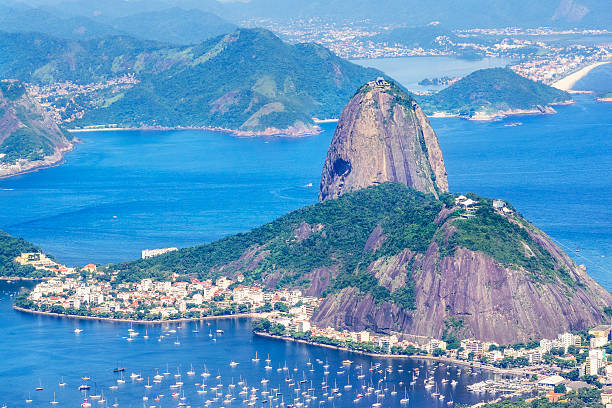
{"points": [[568, 82]]}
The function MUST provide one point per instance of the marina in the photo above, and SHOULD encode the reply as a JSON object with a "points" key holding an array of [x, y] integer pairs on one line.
{"points": [[207, 364]]}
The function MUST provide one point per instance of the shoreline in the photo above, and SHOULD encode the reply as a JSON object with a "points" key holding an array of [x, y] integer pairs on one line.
{"points": [[290, 132], [48, 163], [567, 83], [144, 322], [482, 116], [397, 356]]}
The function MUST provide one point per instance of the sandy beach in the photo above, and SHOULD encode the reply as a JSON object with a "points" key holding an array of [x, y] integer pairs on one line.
{"points": [[567, 83]]}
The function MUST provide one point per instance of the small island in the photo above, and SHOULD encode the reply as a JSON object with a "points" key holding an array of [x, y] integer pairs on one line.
{"points": [[493, 94]]}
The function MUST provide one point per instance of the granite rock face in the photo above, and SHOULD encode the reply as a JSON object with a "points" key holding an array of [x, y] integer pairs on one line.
{"points": [[383, 135], [492, 301]]}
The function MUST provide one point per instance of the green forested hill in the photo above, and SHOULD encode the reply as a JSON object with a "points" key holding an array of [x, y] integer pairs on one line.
{"points": [[29, 137], [492, 90], [388, 257], [10, 248], [248, 80], [336, 232]]}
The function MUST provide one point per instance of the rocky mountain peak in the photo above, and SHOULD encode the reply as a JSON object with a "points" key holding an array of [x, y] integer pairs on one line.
{"points": [[383, 135]]}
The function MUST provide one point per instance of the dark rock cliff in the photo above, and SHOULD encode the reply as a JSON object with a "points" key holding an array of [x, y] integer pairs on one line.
{"points": [[383, 135]]}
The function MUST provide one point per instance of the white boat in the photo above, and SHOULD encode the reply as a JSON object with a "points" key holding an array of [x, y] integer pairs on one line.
{"points": [[77, 330], [233, 364], [255, 359]]}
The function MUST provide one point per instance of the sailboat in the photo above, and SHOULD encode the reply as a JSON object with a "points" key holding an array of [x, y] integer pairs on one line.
{"points": [[255, 359], [62, 383], [54, 402], [146, 336], [405, 399], [29, 399], [40, 387]]}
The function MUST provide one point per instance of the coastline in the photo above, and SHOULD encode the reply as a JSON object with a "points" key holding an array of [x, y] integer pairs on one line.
{"points": [[567, 83], [482, 116], [147, 322], [397, 356], [290, 132], [54, 160]]}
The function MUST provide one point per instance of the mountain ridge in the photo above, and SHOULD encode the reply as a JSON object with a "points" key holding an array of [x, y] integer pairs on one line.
{"points": [[272, 87]]}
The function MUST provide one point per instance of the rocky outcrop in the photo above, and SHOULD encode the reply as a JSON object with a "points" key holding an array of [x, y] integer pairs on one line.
{"points": [[492, 302], [383, 135]]}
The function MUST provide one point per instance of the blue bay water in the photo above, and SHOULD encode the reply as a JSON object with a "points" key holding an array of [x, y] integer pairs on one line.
{"points": [[44, 351]]}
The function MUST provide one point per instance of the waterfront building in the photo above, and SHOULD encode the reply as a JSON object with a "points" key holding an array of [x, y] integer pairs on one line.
{"points": [[149, 253], [551, 382]]}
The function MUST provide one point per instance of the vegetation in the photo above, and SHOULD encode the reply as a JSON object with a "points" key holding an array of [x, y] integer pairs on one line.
{"points": [[30, 134], [273, 84], [333, 235], [507, 242], [10, 248], [426, 37], [585, 397], [492, 90], [405, 215]]}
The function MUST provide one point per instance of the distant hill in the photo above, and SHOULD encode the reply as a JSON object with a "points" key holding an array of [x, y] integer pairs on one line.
{"points": [[170, 25], [29, 138], [492, 92], [453, 14], [23, 20], [174, 26], [426, 37], [248, 80]]}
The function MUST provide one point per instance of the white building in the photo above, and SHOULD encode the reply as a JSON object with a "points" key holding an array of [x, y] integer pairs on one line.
{"points": [[149, 253], [569, 339]]}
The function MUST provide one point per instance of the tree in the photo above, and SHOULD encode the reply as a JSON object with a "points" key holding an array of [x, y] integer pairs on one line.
{"points": [[281, 307], [560, 388], [438, 352]]}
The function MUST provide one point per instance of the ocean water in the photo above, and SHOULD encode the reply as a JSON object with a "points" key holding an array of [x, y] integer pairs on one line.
{"points": [[44, 351], [121, 192], [599, 80]]}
